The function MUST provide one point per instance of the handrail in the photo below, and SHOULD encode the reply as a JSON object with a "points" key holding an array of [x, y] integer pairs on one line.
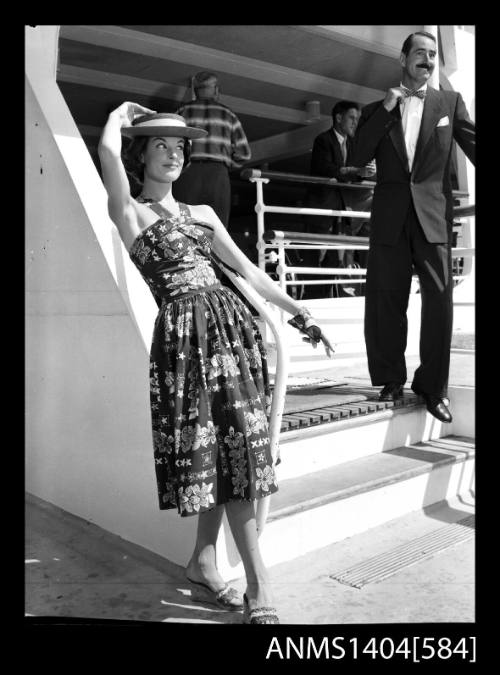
{"points": [[301, 178], [248, 174], [464, 211], [306, 211], [280, 379], [269, 235]]}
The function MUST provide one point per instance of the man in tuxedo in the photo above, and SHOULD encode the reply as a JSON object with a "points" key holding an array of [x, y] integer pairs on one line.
{"points": [[331, 158], [410, 134]]}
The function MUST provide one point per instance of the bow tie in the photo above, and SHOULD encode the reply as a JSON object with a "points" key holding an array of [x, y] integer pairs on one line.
{"points": [[419, 93]]}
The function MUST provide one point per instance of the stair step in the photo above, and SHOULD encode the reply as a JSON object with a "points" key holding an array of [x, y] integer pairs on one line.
{"points": [[345, 480], [305, 407], [314, 510]]}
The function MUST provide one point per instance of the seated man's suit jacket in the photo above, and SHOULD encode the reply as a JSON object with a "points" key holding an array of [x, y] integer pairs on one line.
{"points": [[326, 161]]}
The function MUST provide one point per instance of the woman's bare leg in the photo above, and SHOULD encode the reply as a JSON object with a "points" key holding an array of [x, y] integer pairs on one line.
{"points": [[241, 517], [202, 566]]}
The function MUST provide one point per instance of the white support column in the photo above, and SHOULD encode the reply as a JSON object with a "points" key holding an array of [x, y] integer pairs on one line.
{"points": [[458, 44], [41, 51], [434, 80]]}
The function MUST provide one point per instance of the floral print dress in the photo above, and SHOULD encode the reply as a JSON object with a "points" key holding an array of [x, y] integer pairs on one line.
{"points": [[208, 373]]}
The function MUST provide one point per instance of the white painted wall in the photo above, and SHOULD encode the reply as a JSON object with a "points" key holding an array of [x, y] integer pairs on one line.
{"points": [[89, 321]]}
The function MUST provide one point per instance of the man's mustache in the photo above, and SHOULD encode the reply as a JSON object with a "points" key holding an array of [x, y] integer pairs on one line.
{"points": [[427, 66]]}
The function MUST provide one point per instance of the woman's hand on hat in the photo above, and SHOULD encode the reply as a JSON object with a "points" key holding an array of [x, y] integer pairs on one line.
{"points": [[128, 111]]}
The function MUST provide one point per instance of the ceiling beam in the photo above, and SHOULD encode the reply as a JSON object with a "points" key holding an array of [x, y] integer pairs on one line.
{"points": [[116, 37], [135, 85], [288, 144], [123, 83], [384, 40]]}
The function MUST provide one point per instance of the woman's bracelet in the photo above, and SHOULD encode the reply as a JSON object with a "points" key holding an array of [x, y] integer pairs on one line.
{"points": [[303, 321], [304, 313]]}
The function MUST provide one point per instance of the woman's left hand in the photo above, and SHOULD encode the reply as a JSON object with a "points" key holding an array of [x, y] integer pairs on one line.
{"points": [[304, 322], [317, 336]]}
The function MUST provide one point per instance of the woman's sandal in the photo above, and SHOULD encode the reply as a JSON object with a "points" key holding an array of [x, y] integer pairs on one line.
{"points": [[227, 598], [259, 614]]}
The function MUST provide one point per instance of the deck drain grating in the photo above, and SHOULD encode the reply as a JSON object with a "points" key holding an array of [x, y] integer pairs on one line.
{"points": [[386, 564]]}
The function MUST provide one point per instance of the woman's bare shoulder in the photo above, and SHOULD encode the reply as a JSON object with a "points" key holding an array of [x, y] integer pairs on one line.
{"points": [[203, 212]]}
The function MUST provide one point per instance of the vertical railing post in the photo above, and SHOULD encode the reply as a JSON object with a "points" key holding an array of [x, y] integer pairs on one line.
{"points": [[281, 272], [260, 209]]}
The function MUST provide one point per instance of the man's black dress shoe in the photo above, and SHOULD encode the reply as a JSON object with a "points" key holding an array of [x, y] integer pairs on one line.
{"points": [[436, 406], [391, 392]]}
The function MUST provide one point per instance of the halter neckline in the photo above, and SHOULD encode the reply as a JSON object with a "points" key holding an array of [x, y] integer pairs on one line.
{"points": [[183, 211]]}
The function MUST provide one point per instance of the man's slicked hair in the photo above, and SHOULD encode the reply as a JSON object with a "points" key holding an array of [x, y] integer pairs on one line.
{"points": [[407, 44]]}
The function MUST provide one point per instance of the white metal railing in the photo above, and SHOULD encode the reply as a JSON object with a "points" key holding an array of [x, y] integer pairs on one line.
{"points": [[272, 245]]}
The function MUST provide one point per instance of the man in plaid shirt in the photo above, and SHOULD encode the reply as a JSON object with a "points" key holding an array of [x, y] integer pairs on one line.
{"points": [[206, 181]]}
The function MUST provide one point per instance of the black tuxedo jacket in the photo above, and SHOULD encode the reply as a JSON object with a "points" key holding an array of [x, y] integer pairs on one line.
{"points": [[326, 161], [380, 135]]}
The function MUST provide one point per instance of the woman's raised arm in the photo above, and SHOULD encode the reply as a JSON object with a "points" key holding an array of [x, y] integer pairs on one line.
{"points": [[114, 175]]}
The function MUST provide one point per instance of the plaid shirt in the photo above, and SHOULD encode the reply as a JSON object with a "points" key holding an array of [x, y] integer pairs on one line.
{"points": [[226, 141]]}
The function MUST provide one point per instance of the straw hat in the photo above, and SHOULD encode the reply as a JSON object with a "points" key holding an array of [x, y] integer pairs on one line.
{"points": [[162, 124]]}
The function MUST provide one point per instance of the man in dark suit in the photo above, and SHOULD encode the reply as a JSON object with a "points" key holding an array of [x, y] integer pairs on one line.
{"points": [[331, 158], [410, 134]]}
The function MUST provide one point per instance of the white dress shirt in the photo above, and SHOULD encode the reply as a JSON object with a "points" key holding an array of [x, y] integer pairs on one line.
{"points": [[412, 109]]}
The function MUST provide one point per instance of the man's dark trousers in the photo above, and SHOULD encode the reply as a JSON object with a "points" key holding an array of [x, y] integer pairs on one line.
{"points": [[388, 284]]}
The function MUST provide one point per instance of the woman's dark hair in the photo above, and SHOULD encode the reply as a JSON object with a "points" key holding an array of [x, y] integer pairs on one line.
{"points": [[407, 44], [132, 153]]}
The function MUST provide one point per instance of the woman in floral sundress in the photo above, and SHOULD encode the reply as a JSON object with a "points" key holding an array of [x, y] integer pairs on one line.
{"points": [[209, 383]]}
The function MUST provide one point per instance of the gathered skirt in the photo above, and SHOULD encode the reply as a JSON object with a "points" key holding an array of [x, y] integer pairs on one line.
{"points": [[210, 398]]}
